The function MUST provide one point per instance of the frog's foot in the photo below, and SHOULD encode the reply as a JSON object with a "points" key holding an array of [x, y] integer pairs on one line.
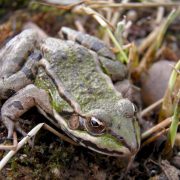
{"points": [[115, 69], [21, 102], [10, 126]]}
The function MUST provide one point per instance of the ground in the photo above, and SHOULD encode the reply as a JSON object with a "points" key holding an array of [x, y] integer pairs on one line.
{"points": [[49, 157]]}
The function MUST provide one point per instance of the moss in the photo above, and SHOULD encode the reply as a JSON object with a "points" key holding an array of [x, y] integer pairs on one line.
{"points": [[46, 83], [78, 72]]}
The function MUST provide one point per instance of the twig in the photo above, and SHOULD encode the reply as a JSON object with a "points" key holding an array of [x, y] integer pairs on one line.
{"points": [[105, 24], [148, 40], [31, 134], [104, 4], [156, 136], [117, 14], [153, 138], [156, 128], [160, 14], [15, 142], [151, 52], [60, 5], [151, 107], [79, 26], [10, 154], [61, 136]]}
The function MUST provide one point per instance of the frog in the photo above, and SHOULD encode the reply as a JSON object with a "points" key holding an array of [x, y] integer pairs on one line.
{"points": [[70, 81]]}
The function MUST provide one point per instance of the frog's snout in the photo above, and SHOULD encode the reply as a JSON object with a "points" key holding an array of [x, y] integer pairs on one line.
{"points": [[132, 146]]}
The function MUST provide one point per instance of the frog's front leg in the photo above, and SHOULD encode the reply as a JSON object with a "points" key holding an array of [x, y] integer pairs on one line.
{"points": [[21, 102], [116, 70], [25, 76], [16, 68], [13, 55]]}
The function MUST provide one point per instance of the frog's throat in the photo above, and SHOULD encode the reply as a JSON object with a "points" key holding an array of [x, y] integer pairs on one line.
{"points": [[121, 152]]}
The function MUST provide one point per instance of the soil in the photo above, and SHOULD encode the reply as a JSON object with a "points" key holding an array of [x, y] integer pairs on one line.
{"points": [[47, 156]]}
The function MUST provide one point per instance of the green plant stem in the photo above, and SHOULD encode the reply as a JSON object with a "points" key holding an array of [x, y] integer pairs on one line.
{"points": [[173, 76], [125, 58], [175, 121], [106, 25]]}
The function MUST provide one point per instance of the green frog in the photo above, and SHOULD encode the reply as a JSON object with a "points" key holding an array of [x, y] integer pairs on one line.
{"points": [[70, 81]]}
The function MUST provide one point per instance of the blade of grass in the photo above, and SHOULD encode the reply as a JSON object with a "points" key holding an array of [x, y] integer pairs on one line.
{"points": [[151, 52], [167, 105], [173, 76], [172, 130], [175, 121], [176, 114], [106, 25], [159, 127]]}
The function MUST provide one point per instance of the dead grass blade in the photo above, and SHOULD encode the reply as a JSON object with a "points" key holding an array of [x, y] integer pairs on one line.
{"points": [[155, 39]]}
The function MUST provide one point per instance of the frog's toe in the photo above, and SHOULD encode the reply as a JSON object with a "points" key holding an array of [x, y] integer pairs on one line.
{"points": [[10, 127], [19, 129]]}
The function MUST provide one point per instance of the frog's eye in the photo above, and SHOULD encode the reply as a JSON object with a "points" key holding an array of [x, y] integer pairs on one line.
{"points": [[135, 108], [95, 126], [126, 108], [95, 122]]}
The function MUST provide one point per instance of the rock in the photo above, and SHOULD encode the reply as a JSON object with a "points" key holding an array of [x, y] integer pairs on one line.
{"points": [[154, 82], [129, 91]]}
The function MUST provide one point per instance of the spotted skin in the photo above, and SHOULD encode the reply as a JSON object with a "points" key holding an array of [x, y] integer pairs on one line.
{"points": [[26, 75], [21, 102], [14, 54], [88, 41], [116, 70], [18, 70], [17, 75], [17, 105]]}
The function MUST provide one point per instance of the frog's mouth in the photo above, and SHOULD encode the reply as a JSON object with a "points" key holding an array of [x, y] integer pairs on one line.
{"points": [[105, 144], [93, 146]]}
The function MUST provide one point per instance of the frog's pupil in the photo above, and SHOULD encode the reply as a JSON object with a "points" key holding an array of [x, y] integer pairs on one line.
{"points": [[94, 122], [135, 108]]}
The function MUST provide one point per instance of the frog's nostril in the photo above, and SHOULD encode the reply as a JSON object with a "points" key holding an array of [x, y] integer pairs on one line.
{"points": [[132, 146], [120, 138]]}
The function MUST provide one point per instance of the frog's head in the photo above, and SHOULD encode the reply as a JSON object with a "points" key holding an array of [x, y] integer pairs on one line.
{"points": [[114, 133]]}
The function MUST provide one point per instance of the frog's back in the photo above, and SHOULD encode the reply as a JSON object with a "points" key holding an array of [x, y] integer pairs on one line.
{"points": [[79, 72]]}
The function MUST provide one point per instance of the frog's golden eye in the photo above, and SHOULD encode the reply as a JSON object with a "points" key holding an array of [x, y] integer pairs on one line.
{"points": [[95, 126]]}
